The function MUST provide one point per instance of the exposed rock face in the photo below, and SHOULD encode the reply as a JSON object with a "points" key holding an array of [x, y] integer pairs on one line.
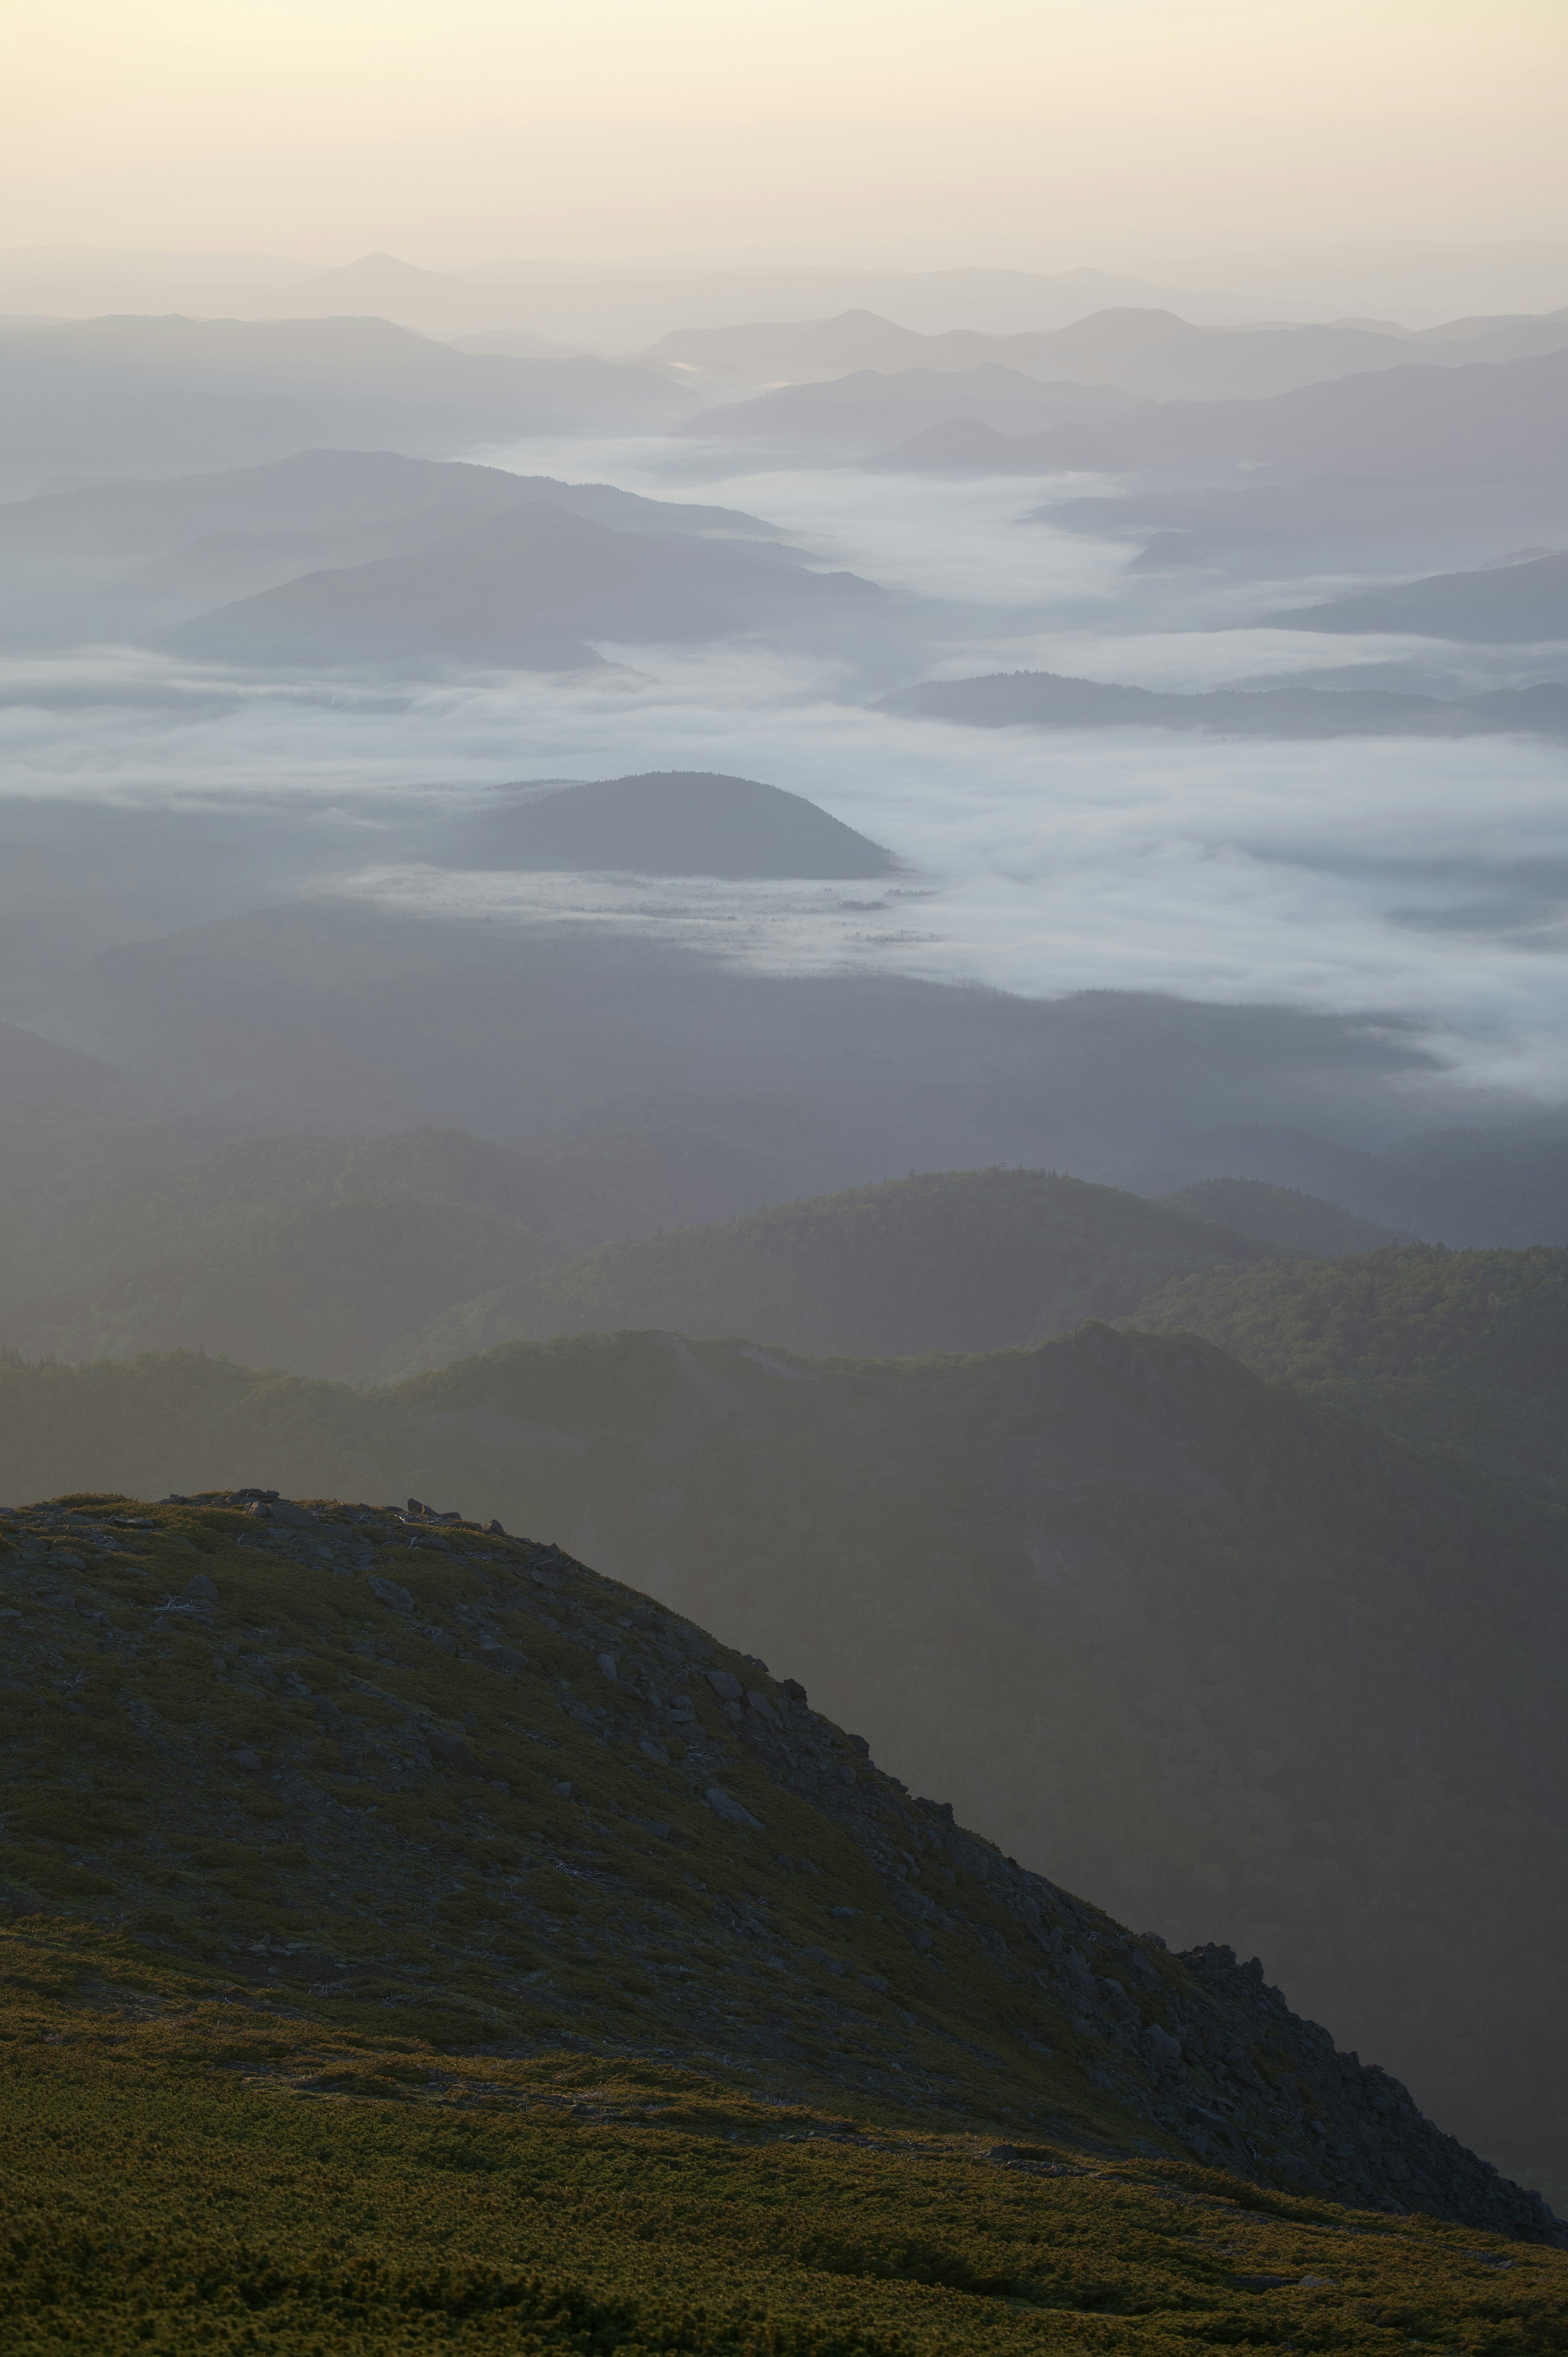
{"points": [[665, 1849], [1197, 2044]]}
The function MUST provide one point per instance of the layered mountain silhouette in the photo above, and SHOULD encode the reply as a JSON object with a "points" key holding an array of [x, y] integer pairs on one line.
{"points": [[528, 589], [1522, 601], [94, 398], [666, 822], [354, 1259], [951, 1261], [1321, 523], [862, 411], [1154, 354], [1039, 699], [1284, 1217], [129, 556], [1463, 1352], [1411, 423]]}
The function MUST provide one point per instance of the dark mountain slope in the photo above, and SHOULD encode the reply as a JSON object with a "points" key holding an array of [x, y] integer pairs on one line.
{"points": [[1282, 1216], [1467, 1351], [667, 822], [528, 588], [461, 1777], [1041, 699], [971, 1260], [1239, 1668], [1497, 604]]}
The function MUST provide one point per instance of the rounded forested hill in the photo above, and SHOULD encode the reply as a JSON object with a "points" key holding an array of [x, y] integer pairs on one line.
{"points": [[1285, 1217], [957, 1259], [1467, 1351], [670, 823]]}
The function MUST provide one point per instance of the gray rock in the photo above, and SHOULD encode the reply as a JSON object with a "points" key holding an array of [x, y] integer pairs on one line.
{"points": [[395, 1599], [246, 1759], [758, 1701], [607, 1664], [724, 1683], [443, 1640], [453, 1752], [1161, 2049], [200, 1585], [506, 1658], [725, 1805]]}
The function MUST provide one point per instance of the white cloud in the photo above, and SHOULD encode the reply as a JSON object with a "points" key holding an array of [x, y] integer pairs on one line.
{"points": [[1420, 879]]}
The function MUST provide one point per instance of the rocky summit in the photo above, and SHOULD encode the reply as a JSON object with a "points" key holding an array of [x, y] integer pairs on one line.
{"points": [[389, 1770]]}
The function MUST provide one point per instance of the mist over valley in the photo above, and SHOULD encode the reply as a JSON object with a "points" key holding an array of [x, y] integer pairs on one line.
{"points": [[846, 938]]}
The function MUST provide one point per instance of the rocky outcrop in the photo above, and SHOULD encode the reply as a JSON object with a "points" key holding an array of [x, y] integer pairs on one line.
{"points": [[631, 1813]]}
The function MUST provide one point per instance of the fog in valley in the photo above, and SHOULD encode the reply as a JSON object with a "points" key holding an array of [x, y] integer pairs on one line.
{"points": [[864, 909]]}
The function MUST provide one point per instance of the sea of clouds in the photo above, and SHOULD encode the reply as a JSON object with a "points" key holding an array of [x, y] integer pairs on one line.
{"points": [[1426, 880]]}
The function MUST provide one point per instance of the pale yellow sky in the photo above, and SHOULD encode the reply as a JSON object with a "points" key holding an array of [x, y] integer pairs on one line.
{"points": [[689, 132]]}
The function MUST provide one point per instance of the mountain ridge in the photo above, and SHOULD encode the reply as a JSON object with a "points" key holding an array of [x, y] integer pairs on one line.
{"points": [[330, 1780], [1236, 1664]]}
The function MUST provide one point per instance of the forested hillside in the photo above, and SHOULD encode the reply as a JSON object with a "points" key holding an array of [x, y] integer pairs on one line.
{"points": [[1465, 1351], [953, 1260]]}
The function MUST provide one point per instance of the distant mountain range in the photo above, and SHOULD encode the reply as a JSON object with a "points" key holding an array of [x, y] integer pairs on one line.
{"points": [[1500, 604], [1463, 1351], [951, 1261], [526, 590], [127, 558], [276, 1252], [1314, 524], [98, 398], [1283, 1217], [1040, 699], [856, 415], [1414, 423], [1152, 354]]}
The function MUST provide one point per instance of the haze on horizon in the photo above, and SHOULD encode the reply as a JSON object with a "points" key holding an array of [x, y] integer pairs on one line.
{"points": [[1154, 134]]}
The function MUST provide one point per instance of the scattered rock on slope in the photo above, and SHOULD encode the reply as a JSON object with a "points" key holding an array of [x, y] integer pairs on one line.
{"points": [[427, 1795]]}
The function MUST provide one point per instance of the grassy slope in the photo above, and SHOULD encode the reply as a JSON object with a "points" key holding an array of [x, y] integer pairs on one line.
{"points": [[1241, 1671], [1465, 1351], [970, 1260], [1283, 1217], [196, 2168]]}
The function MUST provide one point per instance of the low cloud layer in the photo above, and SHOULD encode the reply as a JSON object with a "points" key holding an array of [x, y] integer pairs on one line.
{"points": [[1425, 881]]}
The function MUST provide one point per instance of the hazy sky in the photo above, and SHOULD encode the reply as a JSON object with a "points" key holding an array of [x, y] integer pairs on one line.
{"points": [[1027, 132]]}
